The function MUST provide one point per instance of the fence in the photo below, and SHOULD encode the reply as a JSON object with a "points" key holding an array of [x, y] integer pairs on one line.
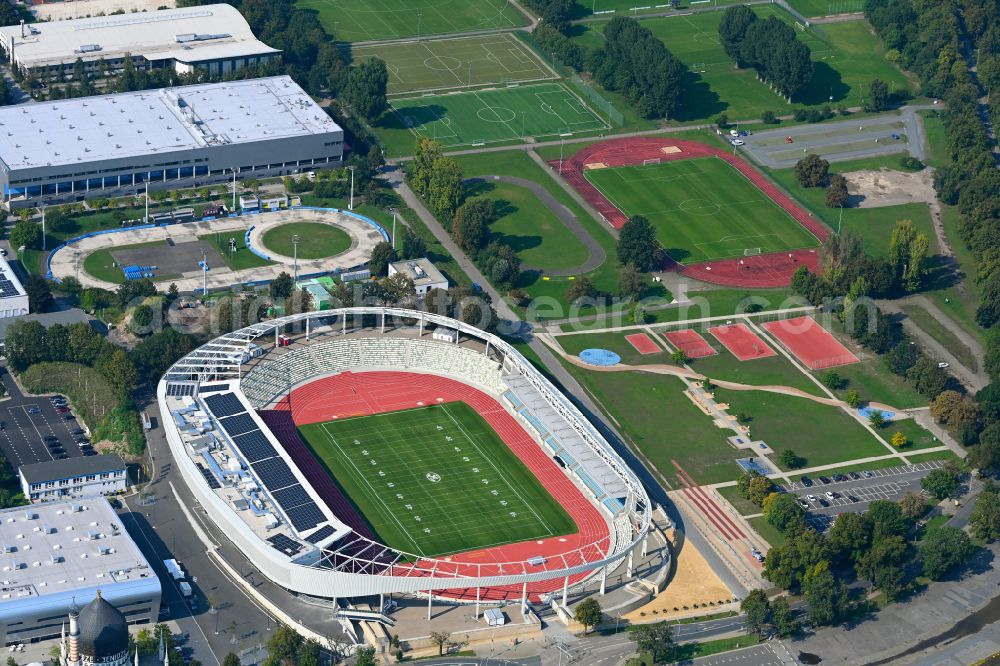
{"points": [[614, 115]]}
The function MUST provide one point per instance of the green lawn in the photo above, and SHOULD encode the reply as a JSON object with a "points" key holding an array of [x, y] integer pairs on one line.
{"points": [[637, 402], [436, 480], [847, 56], [317, 240], [616, 342], [242, 258], [362, 20], [937, 140], [821, 434], [860, 467], [524, 223], [771, 371], [703, 209], [744, 506], [919, 437], [495, 116], [443, 64], [768, 531], [936, 455], [826, 7], [101, 265], [873, 381], [930, 325]]}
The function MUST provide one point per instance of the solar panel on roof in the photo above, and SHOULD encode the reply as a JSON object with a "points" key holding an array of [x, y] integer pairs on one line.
{"points": [[274, 473], [224, 404], [254, 446], [282, 543], [320, 534], [214, 388], [305, 517], [239, 424], [210, 479], [291, 497], [180, 390]]}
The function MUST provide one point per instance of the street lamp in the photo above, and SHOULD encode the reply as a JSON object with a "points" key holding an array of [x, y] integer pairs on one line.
{"points": [[296, 239], [393, 228], [212, 610], [350, 205]]}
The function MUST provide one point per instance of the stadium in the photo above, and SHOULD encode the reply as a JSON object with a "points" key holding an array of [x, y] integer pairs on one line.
{"points": [[378, 450]]}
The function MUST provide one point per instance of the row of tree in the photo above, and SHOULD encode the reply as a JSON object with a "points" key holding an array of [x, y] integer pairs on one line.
{"points": [[770, 46]]}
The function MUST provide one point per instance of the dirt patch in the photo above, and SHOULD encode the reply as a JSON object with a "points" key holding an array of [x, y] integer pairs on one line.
{"points": [[885, 187]]}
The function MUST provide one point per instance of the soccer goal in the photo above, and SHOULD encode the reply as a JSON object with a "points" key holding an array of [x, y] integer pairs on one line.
{"points": [[751, 251], [654, 160]]}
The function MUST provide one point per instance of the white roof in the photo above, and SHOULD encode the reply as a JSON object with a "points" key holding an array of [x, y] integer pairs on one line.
{"points": [[54, 547], [10, 286], [422, 271], [134, 124], [190, 34]]}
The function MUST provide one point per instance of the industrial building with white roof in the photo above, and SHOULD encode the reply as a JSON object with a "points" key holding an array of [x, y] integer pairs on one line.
{"points": [[59, 552], [213, 38], [188, 136]]}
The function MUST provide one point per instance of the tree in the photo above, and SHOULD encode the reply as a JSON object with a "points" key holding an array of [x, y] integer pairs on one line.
{"points": [[142, 317], [945, 405], [945, 549], [281, 286], [382, 255], [882, 565], [231, 660], [444, 192], [984, 520], [899, 440], [983, 456], [853, 399], [941, 483], [784, 622], [837, 194], [759, 490], [39, 294], [413, 246], [917, 266], [588, 613], [637, 244], [678, 357], [823, 595], [440, 639], [812, 171], [887, 520], [365, 656], [782, 510], [878, 96], [790, 459], [850, 537], [732, 30], [757, 610], [470, 228], [366, 88], [581, 288], [831, 379], [876, 419], [656, 640], [632, 283], [26, 233], [912, 505]]}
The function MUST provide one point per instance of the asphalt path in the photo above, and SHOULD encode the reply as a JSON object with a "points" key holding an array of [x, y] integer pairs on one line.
{"points": [[561, 213]]}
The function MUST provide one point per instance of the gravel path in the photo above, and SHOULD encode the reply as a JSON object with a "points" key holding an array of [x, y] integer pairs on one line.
{"points": [[563, 214]]}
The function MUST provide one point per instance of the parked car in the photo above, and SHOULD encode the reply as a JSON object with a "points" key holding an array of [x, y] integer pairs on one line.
{"points": [[811, 498], [737, 142], [867, 474], [839, 477], [78, 431], [804, 504], [823, 502], [855, 476], [89, 452], [824, 480], [69, 417], [806, 481], [34, 410], [62, 410], [50, 438], [852, 499]]}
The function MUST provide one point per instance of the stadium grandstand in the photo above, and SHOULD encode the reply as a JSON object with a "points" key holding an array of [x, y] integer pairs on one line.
{"points": [[242, 426]]}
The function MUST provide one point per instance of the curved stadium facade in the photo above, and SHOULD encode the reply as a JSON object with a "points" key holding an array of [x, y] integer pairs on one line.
{"points": [[265, 434]]}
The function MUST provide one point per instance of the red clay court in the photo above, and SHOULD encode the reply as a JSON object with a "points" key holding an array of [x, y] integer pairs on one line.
{"points": [[643, 343], [774, 269], [691, 343], [811, 343], [356, 394], [741, 341]]}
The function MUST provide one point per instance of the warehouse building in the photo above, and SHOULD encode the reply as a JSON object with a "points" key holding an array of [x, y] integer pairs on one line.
{"points": [[74, 478], [212, 38], [56, 556], [114, 145]]}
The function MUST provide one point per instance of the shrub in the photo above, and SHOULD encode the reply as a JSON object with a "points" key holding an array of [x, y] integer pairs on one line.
{"points": [[768, 118], [911, 163]]}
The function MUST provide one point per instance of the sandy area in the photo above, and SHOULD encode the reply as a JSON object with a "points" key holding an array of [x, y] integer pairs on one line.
{"points": [[885, 187], [694, 582]]}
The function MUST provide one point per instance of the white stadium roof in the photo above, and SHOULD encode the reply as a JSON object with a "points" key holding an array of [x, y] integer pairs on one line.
{"points": [[190, 34], [157, 121]]}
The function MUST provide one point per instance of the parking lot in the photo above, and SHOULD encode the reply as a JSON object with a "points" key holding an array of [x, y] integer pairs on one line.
{"points": [[854, 491], [27, 421]]}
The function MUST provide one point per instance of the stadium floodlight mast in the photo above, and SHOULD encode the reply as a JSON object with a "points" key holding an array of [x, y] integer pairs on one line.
{"points": [[42, 209], [234, 189], [296, 239], [393, 210], [146, 198], [350, 204]]}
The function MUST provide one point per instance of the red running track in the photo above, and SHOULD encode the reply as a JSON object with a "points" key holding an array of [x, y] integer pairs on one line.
{"points": [[643, 343], [766, 270], [811, 343], [741, 341], [691, 343], [357, 394]]}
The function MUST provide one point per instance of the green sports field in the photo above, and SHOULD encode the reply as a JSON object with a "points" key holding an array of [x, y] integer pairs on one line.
{"points": [[492, 115], [445, 64], [436, 480], [703, 209], [317, 240], [361, 20]]}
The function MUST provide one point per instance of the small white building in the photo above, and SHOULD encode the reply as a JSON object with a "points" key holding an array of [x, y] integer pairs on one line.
{"points": [[13, 297], [424, 274], [494, 617], [87, 476]]}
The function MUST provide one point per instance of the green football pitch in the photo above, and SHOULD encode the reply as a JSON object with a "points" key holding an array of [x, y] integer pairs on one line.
{"points": [[497, 115], [436, 480], [362, 20], [702, 209], [444, 64]]}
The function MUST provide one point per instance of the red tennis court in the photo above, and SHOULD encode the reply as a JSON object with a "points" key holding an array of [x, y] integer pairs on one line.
{"points": [[643, 343], [741, 341], [810, 343], [691, 343]]}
